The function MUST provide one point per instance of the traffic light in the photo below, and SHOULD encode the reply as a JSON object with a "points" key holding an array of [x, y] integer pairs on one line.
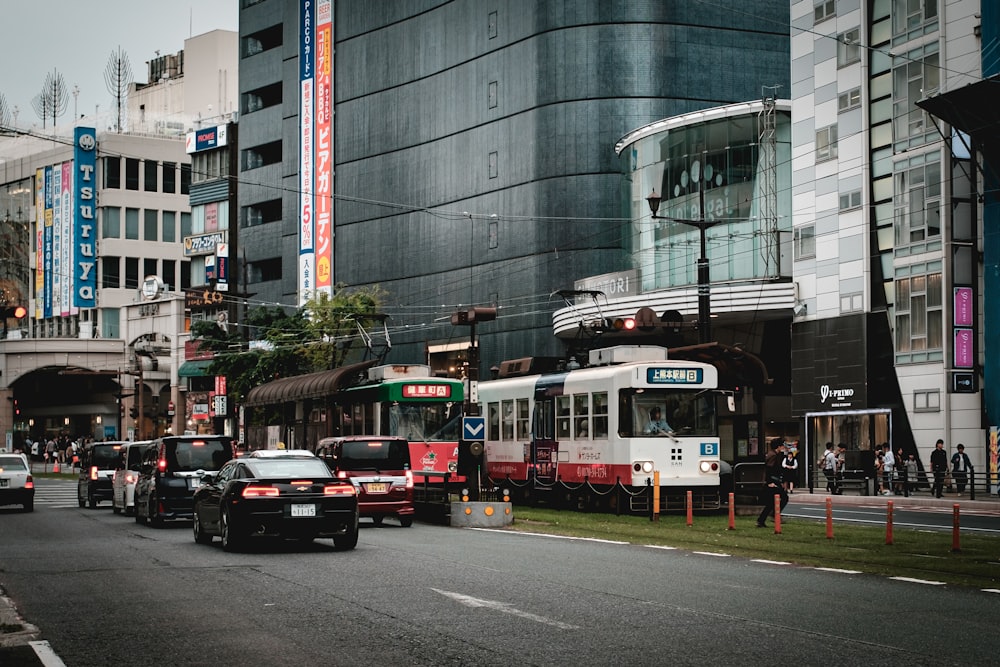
{"points": [[623, 324], [133, 412], [473, 316], [18, 312], [17, 408]]}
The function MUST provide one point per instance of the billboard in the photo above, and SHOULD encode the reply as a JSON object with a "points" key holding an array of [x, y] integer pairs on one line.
{"points": [[84, 273], [307, 257], [324, 146]]}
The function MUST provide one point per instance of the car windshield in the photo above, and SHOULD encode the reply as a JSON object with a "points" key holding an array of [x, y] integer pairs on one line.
{"points": [[374, 454], [12, 463], [277, 468], [192, 455], [105, 456]]}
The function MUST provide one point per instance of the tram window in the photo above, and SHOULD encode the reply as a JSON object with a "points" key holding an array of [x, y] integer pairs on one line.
{"points": [[522, 418], [600, 415], [562, 417], [507, 408], [493, 410], [582, 428]]}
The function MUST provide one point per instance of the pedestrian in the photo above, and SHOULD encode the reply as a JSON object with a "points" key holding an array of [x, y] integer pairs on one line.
{"points": [[897, 487], [789, 470], [888, 468], [841, 466], [912, 473], [879, 469], [773, 486], [939, 467], [829, 466], [961, 467]]}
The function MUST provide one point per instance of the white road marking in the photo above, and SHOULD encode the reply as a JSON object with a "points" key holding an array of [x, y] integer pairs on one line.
{"points": [[505, 608], [710, 553], [837, 570], [919, 581]]}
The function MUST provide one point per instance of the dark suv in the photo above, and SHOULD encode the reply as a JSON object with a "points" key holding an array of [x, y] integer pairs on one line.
{"points": [[171, 469], [97, 466]]}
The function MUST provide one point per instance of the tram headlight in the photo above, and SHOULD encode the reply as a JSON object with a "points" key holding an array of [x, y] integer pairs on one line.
{"points": [[643, 466], [709, 466]]}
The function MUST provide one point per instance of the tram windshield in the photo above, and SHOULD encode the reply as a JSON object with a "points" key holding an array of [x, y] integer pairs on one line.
{"points": [[418, 421], [657, 413]]}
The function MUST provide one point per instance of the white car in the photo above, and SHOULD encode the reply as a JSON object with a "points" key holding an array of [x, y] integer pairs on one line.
{"points": [[123, 481], [273, 453], [16, 485]]}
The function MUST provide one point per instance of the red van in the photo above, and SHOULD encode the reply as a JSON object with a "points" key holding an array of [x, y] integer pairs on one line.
{"points": [[379, 468]]}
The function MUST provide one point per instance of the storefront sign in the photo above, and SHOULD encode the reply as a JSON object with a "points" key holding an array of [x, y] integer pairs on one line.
{"points": [[836, 397], [963, 348], [963, 306]]}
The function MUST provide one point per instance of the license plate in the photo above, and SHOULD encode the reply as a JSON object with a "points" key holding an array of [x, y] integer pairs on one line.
{"points": [[193, 483], [4, 483], [303, 510], [377, 487]]}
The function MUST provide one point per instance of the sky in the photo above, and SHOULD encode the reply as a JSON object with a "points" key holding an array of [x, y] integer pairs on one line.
{"points": [[77, 37]]}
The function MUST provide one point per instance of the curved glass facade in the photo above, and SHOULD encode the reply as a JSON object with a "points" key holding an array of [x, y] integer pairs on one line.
{"points": [[730, 166]]}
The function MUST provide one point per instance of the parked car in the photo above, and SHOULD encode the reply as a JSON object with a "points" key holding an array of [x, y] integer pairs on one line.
{"points": [[172, 468], [16, 485], [98, 461], [275, 497], [125, 476], [379, 468]]}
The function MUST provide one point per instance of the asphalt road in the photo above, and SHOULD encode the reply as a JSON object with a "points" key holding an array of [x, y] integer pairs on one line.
{"points": [[105, 591]]}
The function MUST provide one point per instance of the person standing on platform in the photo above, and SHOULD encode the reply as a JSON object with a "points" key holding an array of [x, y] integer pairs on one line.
{"points": [[961, 467], [773, 486], [939, 467]]}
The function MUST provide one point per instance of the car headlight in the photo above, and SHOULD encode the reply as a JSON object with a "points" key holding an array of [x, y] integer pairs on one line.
{"points": [[643, 466], [709, 466]]}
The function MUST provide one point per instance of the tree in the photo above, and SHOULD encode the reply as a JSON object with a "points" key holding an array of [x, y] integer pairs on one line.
{"points": [[53, 99], [4, 113], [333, 322], [118, 78]]}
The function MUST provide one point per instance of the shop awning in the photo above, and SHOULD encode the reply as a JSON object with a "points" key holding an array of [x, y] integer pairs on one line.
{"points": [[194, 369], [300, 387], [973, 109]]}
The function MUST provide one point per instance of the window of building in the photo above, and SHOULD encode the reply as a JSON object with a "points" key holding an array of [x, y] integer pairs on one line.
{"points": [[927, 400], [131, 173], [185, 274], [185, 224], [150, 225], [262, 40], [805, 242], [908, 15], [111, 222], [209, 165], [849, 47], [917, 201], [919, 320], [824, 10], [261, 98], [265, 270], [262, 213], [112, 172], [849, 100], [826, 143], [263, 155], [131, 273], [849, 200], [491, 95], [917, 77], [149, 267], [169, 227], [169, 276], [132, 224], [111, 272], [170, 177], [852, 303], [110, 323], [185, 179], [149, 180]]}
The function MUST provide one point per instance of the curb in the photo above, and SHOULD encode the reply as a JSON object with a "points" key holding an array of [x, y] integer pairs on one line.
{"points": [[10, 619]]}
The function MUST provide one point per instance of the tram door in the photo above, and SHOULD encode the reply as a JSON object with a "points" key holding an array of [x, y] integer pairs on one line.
{"points": [[544, 439]]}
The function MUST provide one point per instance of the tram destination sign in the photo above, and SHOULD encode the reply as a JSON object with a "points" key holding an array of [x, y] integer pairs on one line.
{"points": [[660, 375]]}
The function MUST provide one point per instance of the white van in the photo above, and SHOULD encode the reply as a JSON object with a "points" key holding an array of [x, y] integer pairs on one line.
{"points": [[123, 481]]}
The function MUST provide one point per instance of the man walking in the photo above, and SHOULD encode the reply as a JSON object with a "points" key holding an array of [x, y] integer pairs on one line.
{"points": [[829, 465], [939, 467], [888, 465], [961, 466], [772, 481]]}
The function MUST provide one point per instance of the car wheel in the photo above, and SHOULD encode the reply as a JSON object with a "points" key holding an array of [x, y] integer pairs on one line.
{"points": [[91, 501], [139, 518], [153, 515], [29, 506], [377, 519], [200, 536], [80, 500], [406, 521], [348, 540], [230, 541]]}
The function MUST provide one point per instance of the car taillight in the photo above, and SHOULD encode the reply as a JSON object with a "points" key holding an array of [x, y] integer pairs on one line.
{"points": [[93, 472], [259, 491], [338, 490], [29, 483], [409, 479], [161, 465]]}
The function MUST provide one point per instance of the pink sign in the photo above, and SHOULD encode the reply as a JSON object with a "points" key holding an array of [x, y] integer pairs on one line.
{"points": [[963, 306], [963, 348]]}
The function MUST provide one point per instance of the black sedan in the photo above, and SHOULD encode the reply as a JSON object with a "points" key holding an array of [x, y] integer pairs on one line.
{"points": [[285, 497]]}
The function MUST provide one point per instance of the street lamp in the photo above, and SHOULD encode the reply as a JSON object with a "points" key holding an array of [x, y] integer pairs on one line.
{"points": [[704, 286]]}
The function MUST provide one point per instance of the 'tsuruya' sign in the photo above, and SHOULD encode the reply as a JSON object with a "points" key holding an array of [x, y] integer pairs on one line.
{"points": [[84, 227]]}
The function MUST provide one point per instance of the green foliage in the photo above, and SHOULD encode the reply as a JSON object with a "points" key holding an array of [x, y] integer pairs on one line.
{"points": [[323, 334]]}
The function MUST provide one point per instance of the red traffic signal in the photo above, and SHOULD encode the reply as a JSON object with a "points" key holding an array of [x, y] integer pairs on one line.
{"points": [[18, 312], [623, 324]]}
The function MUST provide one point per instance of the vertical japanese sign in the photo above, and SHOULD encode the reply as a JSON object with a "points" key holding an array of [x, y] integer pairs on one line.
{"points": [[84, 220], [324, 146], [58, 268], [47, 243], [39, 243], [66, 306], [307, 256]]}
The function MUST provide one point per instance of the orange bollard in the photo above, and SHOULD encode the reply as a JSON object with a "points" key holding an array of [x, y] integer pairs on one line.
{"points": [[690, 507], [888, 522], [732, 511], [829, 518], [777, 514], [954, 529]]}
